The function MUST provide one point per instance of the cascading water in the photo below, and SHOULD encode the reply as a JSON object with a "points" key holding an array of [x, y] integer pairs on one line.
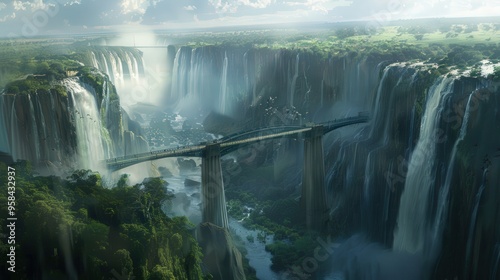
{"points": [[472, 224], [294, 81], [34, 128], [223, 86], [4, 141], [412, 223], [16, 148], [87, 124]]}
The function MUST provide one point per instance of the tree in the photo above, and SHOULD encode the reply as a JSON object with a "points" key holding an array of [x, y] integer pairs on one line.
{"points": [[122, 262], [161, 273], [95, 238]]}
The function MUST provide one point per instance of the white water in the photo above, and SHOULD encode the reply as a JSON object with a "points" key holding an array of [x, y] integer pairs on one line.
{"points": [[87, 123], [472, 224], [175, 89], [223, 86], [412, 228], [443, 199], [34, 129], [4, 141], [294, 81]]}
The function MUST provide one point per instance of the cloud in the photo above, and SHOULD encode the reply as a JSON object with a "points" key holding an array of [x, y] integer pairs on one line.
{"points": [[323, 6], [190, 8], [60, 16], [8, 17], [18, 5], [224, 7], [134, 6], [34, 5], [259, 4]]}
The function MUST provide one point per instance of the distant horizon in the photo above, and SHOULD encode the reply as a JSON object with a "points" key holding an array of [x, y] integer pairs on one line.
{"points": [[156, 29], [39, 18]]}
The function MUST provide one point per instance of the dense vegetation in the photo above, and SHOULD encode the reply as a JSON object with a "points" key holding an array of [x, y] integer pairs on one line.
{"points": [[123, 229], [76, 227], [276, 213], [38, 67]]}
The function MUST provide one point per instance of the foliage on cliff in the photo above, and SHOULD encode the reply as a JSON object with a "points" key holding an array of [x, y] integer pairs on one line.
{"points": [[76, 228], [40, 68]]}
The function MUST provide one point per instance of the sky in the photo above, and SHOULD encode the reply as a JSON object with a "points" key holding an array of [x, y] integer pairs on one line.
{"points": [[28, 18]]}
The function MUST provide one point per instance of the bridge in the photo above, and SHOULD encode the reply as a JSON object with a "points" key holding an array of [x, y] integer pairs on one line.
{"points": [[213, 198]]}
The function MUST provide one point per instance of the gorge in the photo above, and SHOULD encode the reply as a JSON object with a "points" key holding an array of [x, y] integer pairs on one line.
{"points": [[412, 193]]}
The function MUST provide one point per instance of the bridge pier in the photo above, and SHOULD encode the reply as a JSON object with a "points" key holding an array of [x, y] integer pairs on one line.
{"points": [[313, 181], [213, 199]]}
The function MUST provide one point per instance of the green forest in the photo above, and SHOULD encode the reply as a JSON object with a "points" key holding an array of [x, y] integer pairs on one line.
{"points": [[77, 228]]}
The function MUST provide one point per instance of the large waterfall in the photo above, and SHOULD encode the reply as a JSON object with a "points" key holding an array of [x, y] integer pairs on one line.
{"points": [[76, 130], [412, 227], [416, 171], [125, 68], [413, 191], [34, 127], [119, 64], [87, 123]]}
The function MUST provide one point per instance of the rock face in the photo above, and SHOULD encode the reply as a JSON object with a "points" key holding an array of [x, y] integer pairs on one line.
{"points": [[220, 124], [421, 178], [416, 179], [186, 164], [220, 256], [76, 131]]}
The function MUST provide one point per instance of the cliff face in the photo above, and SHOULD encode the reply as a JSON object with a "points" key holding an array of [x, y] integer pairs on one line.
{"points": [[415, 180], [76, 131], [233, 81], [38, 128], [420, 178]]}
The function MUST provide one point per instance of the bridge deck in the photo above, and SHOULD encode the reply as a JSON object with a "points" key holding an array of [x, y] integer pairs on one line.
{"points": [[230, 141]]}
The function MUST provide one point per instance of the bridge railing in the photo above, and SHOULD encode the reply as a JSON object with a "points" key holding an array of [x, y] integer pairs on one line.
{"points": [[233, 136], [236, 138], [151, 153]]}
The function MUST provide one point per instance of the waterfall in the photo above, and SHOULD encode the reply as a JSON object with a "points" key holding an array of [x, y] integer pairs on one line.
{"points": [[116, 68], [132, 68], [472, 225], [294, 81], [322, 92], [34, 129], [496, 261], [412, 227], [43, 131], [16, 146], [4, 141], [377, 100], [174, 90], [442, 205], [192, 77], [95, 64], [90, 147], [223, 86]]}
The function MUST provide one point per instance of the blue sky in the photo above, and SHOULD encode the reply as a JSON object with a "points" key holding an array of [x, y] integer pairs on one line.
{"points": [[38, 17]]}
